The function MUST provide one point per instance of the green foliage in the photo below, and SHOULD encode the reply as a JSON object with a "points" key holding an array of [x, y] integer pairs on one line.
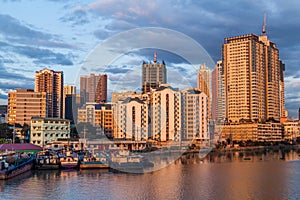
{"points": [[5, 131]]}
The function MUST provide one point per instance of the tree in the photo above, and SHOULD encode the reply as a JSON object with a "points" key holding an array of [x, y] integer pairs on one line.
{"points": [[5, 131], [25, 132]]}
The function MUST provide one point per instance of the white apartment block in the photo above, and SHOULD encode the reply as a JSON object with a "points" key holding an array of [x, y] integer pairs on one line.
{"points": [[47, 130], [194, 114], [166, 113], [131, 116]]}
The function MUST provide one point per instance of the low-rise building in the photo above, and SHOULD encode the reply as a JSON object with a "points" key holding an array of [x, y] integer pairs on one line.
{"points": [[259, 132], [47, 130], [291, 130], [98, 115]]}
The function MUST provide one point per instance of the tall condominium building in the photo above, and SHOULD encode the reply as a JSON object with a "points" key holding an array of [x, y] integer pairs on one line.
{"points": [[132, 121], [165, 114], [153, 74], [51, 82], [218, 91], [194, 114], [203, 83], [283, 111], [214, 93], [252, 79], [24, 104], [93, 88]]}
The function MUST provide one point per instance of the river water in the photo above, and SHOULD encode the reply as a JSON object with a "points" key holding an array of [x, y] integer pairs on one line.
{"points": [[268, 175]]}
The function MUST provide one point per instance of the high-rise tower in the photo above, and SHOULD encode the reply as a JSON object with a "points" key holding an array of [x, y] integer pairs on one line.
{"points": [[153, 74], [51, 82], [93, 88], [203, 83], [253, 76]]}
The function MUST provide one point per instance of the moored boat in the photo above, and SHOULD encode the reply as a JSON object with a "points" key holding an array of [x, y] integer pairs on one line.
{"points": [[47, 161], [68, 162], [11, 166], [94, 163]]}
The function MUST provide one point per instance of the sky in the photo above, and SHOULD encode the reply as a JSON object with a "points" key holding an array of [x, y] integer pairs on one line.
{"points": [[64, 34]]}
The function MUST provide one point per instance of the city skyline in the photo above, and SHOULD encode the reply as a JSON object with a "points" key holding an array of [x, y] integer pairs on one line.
{"points": [[62, 39]]}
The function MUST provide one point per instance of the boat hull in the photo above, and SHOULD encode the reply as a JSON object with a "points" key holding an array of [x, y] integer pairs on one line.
{"points": [[7, 174], [94, 165]]}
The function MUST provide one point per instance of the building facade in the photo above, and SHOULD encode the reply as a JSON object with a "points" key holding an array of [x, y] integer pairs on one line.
{"points": [[3, 113], [98, 115], [153, 74], [24, 104], [291, 130], [165, 114], [203, 83], [70, 91], [46, 130], [120, 96], [252, 78], [132, 120], [93, 88], [194, 114], [255, 132], [51, 82]]}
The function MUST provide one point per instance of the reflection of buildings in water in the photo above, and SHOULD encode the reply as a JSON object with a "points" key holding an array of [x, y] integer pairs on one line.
{"points": [[222, 157]]}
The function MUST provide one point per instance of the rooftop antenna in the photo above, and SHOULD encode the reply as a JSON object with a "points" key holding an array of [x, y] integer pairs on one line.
{"points": [[264, 28]]}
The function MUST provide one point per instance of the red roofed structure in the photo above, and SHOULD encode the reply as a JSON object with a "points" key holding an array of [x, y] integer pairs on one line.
{"points": [[20, 147]]}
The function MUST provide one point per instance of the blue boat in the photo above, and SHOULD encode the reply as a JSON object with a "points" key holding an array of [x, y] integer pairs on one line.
{"points": [[11, 166]]}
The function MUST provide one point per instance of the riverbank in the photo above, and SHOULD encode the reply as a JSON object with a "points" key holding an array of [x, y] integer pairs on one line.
{"points": [[258, 148]]}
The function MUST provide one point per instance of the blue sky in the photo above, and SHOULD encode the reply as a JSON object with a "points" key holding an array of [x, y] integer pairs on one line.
{"points": [[62, 34]]}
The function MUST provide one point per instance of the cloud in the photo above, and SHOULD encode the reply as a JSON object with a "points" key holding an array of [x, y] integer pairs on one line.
{"points": [[120, 25], [78, 17], [14, 31], [113, 69], [101, 34], [13, 76], [39, 55], [12, 28]]}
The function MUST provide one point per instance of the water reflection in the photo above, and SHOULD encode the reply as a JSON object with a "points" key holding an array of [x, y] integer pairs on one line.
{"points": [[228, 175]]}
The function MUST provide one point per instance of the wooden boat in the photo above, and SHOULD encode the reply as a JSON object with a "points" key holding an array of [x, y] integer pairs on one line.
{"points": [[68, 162], [94, 163], [15, 165]]}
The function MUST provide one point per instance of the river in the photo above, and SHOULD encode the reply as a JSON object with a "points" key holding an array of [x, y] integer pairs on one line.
{"points": [[268, 175]]}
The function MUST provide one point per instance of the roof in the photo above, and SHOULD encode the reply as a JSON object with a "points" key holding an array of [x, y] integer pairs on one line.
{"points": [[163, 86], [129, 99], [20, 147]]}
